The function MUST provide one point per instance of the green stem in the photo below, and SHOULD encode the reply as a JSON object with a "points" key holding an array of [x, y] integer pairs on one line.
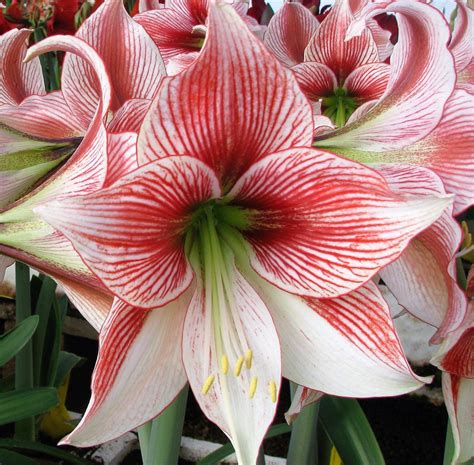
{"points": [[24, 377], [144, 438], [303, 448], [448, 445], [164, 439]]}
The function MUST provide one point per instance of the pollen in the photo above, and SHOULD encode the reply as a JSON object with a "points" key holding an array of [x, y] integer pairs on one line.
{"points": [[207, 385], [224, 364], [253, 386], [272, 389], [238, 366], [248, 359]]}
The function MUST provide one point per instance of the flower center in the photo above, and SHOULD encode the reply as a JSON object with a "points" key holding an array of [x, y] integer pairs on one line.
{"points": [[339, 106]]}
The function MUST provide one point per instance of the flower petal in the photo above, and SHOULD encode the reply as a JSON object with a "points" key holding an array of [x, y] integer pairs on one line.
{"points": [[368, 82], [423, 279], [244, 387], [330, 47], [133, 62], [315, 79], [272, 117], [18, 80], [459, 399], [289, 32], [447, 150], [171, 31], [92, 303], [138, 371], [461, 44], [130, 234], [180, 62], [129, 117], [46, 116], [122, 156], [322, 225], [345, 346], [303, 397], [422, 79]]}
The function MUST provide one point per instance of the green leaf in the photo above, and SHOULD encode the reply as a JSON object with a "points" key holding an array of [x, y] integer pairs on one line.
{"points": [[14, 340], [26, 403], [48, 450], [226, 450], [66, 362], [7, 457], [349, 430]]}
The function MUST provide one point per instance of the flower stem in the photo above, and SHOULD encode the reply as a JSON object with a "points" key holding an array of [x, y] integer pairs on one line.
{"points": [[303, 448], [449, 445], [164, 434], [24, 377]]}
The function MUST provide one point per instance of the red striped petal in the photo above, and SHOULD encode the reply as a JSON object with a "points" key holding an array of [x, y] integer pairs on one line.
{"points": [[138, 371], [121, 156], [329, 45], [130, 116], [324, 225], [345, 346], [242, 414], [422, 79], [18, 80], [131, 234], [133, 62], [368, 82], [462, 43], [315, 79], [180, 62], [303, 396], [204, 114], [423, 279], [171, 31], [289, 32], [46, 116]]}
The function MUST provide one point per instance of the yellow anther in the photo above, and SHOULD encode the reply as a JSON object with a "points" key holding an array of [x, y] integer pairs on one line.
{"points": [[207, 385], [248, 359], [253, 386], [224, 364], [238, 366], [272, 389]]}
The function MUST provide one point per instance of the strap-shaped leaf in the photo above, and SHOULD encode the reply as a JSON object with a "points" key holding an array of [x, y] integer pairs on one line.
{"points": [[14, 340], [26, 403], [349, 430], [66, 362], [10, 457]]}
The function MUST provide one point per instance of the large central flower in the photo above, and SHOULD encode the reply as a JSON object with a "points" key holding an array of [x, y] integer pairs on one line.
{"points": [[237, 253]]}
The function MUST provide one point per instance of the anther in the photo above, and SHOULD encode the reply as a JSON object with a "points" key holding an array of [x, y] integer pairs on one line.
{"points": [[253, 387], [224, 364], [207, 385], [272, 389], [248, 359], [238, 366]]}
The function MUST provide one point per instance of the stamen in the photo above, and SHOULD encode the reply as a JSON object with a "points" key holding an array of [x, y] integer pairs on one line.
{"points": [[224, 364], [253, 386], [272, 389], [248, 359], [238, 366], [207, 385]]}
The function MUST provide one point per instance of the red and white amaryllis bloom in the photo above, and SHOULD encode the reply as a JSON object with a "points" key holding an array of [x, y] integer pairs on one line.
{"points": [[336, 74], [179, 29], [238, 254], [421, 119]]}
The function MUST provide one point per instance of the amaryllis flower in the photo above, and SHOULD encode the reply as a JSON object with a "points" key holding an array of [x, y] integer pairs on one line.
{"points": [[238, 254], [421, 119], [336, 74], [179, 29]]}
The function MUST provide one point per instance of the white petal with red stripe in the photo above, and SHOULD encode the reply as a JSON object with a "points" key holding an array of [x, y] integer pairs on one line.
{"points": [[289, 33], [204, 114], [322, 225], [368, 82], [131, 234], [121, 156], [345, 346], [138, 371]]}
